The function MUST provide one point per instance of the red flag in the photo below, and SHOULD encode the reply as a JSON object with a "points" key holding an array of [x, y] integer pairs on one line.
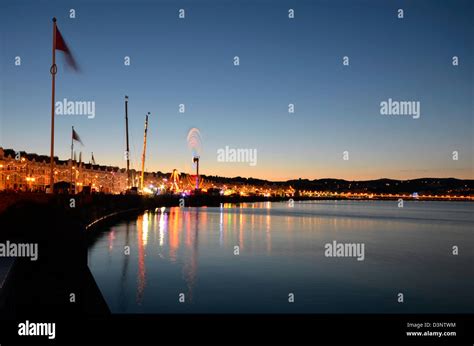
{"points": [[61, 45]]}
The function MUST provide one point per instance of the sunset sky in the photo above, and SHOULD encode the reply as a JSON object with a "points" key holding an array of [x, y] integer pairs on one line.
{"points": [[282, 61]]}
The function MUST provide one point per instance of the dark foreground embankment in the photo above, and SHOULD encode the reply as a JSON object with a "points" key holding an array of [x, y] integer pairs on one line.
{"points": [[59, 282]]}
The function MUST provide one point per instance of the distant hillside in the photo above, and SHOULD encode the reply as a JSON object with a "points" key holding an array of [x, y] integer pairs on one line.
{"points": [[423, 186]]}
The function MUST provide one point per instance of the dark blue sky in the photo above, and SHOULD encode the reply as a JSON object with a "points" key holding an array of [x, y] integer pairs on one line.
{"points": [[282, 61]]}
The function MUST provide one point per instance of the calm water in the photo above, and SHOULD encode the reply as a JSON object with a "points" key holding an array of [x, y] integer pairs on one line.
{"points": [[191, 251]]}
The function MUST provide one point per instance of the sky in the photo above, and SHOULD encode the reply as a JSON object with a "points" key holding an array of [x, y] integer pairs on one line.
{"points": [[190, 61]]}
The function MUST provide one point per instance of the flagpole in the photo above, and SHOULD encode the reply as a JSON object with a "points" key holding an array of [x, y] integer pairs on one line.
{"points": [[53, 71], [144, 152], [128, 149], [72, 152]]}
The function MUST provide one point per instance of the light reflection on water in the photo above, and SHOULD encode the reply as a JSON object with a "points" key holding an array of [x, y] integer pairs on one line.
{"points": [[191, 251]]}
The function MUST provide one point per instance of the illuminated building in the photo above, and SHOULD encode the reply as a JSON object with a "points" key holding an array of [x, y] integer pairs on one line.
{"points": [[21, 171]]}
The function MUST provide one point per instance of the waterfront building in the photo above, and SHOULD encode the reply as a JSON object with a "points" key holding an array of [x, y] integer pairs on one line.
{"points": [[21, 171]]}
